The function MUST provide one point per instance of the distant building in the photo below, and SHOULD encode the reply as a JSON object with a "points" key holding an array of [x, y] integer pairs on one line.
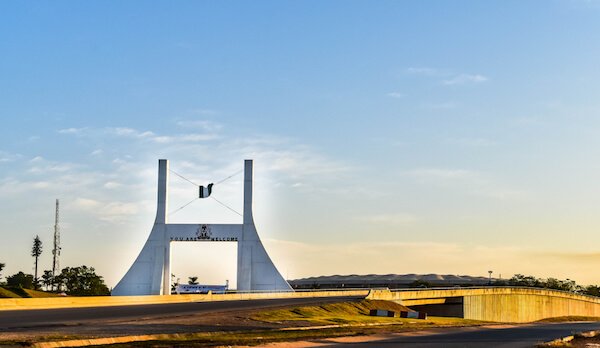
{"points": [[392, 281]]}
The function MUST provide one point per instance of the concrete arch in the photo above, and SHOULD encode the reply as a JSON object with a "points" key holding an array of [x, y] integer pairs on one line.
{"points": [[150, 274]]}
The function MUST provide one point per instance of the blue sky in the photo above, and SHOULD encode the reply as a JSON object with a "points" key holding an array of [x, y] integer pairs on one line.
{"points": [[388, 137]]}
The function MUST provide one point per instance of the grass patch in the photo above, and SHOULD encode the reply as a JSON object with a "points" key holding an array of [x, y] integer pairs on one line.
{"points": [[20, 292], [252, 338], [569, 318], [16, 292], [260, 337], [356, 312], [39, 294], [5, 293], [331, 313]]}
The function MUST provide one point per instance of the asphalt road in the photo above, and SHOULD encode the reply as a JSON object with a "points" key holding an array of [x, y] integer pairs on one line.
{"points": [[499, 336], [476, 337], [32, 319]]}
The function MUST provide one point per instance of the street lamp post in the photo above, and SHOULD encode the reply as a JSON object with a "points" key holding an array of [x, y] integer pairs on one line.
{"points": [[490, 278]]}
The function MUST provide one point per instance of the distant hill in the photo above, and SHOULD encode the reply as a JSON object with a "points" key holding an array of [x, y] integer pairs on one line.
{"points": [[391, 281]]}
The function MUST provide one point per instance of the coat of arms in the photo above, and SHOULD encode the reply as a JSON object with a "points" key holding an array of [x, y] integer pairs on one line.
{"points": [[203, 232]]}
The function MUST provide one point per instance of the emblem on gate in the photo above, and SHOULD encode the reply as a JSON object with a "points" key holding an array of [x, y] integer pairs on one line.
{"points": [[203, 232]]}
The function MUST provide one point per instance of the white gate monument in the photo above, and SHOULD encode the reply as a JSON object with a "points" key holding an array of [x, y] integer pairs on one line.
{"points": [[150, 274]]}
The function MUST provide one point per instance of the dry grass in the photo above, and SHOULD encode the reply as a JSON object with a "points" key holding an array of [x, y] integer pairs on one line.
{"points": [[10, 292], [353, 313], [568, 318], [4, 293], [39, 294]]}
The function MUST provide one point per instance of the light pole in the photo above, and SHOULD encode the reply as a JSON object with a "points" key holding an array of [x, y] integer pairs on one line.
{"points": [[490, 278]]}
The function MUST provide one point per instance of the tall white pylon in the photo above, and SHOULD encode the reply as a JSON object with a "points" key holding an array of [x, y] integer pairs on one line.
{"points": [[150, 274]]}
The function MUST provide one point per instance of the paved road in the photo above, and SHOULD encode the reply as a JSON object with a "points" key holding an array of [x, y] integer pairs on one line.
{"points": [[23, 319], [503, 337]]}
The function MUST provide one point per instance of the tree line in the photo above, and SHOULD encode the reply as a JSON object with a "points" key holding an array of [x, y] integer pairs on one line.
{"points": [[550, 283], [532, 282], [76, 281]]}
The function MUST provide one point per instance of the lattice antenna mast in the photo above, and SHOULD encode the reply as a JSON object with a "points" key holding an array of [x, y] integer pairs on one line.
{"points": [[56, 250]]}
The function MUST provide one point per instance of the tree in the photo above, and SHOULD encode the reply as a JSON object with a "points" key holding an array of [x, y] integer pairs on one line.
{"points": [[419, 283], [529, 281], [193, 280], [20, 280], [2, 265], [36, 251], [174, 283], [82, 281], [593, 290], [47, 279]]}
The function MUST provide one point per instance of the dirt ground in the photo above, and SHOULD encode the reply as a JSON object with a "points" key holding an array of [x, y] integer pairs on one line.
{"points": [[146, 326]]}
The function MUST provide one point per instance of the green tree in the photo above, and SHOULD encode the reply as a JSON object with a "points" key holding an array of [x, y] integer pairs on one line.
{"points": [[592, 290], [20, 280], [36, 251], [549, 283], [174, 283], [82, 281], [529, 281], [47, 279], [2, 265], [193, 280], [419, 283]]}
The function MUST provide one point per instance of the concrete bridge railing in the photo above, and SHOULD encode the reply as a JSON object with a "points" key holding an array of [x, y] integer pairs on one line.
{"points": [[500, 304]]}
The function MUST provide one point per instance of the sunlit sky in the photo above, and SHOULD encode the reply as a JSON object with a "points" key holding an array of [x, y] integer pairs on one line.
{"points": [[450, 137]]}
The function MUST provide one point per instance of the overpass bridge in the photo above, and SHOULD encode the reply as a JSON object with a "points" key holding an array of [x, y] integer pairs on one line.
{"points": [[497, 304]]}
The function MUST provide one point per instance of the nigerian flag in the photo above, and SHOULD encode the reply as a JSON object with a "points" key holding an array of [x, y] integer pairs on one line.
{"points": [[205, 191]]}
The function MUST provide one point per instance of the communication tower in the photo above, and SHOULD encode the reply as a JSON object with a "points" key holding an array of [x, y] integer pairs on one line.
{"points": [[56, 249]]}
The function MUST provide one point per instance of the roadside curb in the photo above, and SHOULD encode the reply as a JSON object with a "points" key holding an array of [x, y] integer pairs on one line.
{"points": [[566, 339]]}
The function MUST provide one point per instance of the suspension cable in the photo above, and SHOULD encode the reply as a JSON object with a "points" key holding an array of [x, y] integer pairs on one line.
{"points": [[229, 177], [193, 183], [184, 178], [183, 206], [226, 206]]}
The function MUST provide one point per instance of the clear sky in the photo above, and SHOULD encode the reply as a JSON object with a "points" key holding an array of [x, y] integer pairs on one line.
{"points": [[450, 137]]}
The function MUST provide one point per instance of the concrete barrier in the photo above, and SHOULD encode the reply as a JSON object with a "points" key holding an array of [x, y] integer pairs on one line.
{"points": [[103, 301]]}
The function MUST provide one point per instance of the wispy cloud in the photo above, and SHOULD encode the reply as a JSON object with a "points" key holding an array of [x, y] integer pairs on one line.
{"points": [[285, 158], [141, 135], [113, 211], [206, 125], [72, 130], [396, 95], [8, 157], [448, 78], [463, 79]]}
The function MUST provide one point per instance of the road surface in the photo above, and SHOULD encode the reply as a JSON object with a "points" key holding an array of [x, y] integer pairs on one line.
{"points": [[504, 336], [113, 318], [35, 319]]}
